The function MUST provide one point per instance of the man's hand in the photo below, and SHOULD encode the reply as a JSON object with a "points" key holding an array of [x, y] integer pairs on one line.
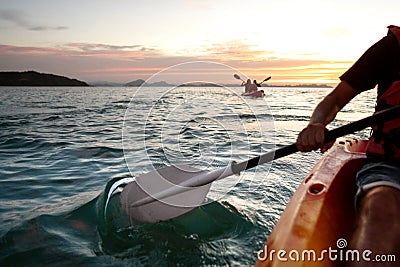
{"points": [[312, 138]]}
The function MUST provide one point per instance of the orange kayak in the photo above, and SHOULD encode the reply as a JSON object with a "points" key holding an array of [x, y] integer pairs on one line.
{"points": [[317, 223]]}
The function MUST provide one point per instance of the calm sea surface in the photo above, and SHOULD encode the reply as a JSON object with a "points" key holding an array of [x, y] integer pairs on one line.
{"points": [[59, 147]]}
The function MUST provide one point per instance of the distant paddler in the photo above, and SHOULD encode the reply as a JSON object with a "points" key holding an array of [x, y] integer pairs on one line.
{"points": [[251, 89]]}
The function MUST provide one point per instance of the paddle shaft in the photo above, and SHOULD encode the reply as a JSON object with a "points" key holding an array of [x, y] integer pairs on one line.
{"points": [[331, 135], [236, 168], [238, 77], [266, 79]]}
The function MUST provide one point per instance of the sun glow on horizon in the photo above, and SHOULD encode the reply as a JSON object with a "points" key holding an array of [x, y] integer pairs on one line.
{"points": [[294, 42]]}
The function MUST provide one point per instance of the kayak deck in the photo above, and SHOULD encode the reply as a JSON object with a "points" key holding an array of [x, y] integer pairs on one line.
{"points": [[320, 213]]}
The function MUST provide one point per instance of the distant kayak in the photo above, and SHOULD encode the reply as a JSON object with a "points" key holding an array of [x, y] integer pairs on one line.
{"points": [[320, 216], [255, 94]]}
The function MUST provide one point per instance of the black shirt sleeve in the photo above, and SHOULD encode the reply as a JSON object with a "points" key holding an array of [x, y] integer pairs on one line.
{"points": [[375, 66]]}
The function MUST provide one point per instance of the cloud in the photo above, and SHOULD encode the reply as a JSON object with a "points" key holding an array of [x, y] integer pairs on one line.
{"points": [[123, 63], [14, 16], [26, 50], [85, 49], [235, 50], [93, 47], [118, 52], [87, 61], [19, 18], [43, 28]]}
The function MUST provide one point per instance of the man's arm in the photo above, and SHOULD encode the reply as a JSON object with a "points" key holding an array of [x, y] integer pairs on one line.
{"points": [[312, 137]]}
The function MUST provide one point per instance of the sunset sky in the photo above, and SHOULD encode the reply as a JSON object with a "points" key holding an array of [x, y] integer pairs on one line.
{"points": [[310, 41]]}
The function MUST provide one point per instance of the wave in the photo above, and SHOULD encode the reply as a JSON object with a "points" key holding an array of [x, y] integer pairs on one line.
{"points": [[62, 107], [100, 151], [27, 141], [52, 118], [125, 102], [86, 236], [56, 240], [291, 118]]}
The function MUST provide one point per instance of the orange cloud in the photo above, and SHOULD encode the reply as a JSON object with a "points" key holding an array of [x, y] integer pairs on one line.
{"points": [[10, 49], [235, 50], [94, 62], [113, 51]]}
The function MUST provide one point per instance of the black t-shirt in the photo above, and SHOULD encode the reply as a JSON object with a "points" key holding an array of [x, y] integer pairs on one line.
{"points": [[379, 65]]}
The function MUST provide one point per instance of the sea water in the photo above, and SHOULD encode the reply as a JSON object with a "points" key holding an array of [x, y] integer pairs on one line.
{"points": [[60, 147]]}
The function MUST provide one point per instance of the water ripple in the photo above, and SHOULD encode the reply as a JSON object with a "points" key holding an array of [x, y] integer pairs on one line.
{"points": [[60, 146]]}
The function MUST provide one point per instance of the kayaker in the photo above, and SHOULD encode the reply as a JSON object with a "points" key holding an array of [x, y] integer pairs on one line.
{"points": [[249, 87], [378, 197], [253, 88], [256, 83], [246, 85]]}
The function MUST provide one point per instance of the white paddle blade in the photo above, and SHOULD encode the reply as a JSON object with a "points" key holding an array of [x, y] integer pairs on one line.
{"points": [[152, 183]]}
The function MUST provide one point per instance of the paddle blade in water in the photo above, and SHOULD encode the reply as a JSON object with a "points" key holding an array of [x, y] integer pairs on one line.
{"points": [[152, 183]]}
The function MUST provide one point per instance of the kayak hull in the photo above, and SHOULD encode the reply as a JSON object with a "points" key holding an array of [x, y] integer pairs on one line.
{"points": [[320, 216], [255, 94]]}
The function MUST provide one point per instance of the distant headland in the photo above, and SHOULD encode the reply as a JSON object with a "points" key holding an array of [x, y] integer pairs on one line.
{"points": [[307, 85], [33, 78], [141, 82]]}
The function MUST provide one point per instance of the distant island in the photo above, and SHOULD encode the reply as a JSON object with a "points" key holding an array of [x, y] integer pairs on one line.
{"points": [[141, 82], [33, 78], [202, 84], [135, 83], [313, 85]]}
